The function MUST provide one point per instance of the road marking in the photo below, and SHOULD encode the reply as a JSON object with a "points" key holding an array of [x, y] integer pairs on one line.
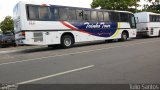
{"points": [[11, 51], [43, 58], [54, 75], [8, 51]]}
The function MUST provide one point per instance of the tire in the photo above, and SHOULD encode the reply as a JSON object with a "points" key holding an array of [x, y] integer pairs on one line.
{"points": [[159, 34], [1, 46], [124, 36], [67, 41]]}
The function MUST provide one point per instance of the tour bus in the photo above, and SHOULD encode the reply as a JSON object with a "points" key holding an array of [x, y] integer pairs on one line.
{"points": [[43, 24], [148, 24]]}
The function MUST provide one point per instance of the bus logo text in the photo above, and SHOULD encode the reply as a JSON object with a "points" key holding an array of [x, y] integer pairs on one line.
{"points": [[97, 25]]}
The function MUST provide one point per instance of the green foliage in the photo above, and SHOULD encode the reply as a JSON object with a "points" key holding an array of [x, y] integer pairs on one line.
{"points": [[128, 5], [7, 24], [155, 7]]}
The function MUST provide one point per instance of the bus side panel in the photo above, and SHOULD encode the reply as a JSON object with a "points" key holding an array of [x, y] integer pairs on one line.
{"points": [[154, 28]]}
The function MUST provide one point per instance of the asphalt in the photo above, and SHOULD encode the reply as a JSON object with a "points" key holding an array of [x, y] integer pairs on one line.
{"points": [[133, 61]]}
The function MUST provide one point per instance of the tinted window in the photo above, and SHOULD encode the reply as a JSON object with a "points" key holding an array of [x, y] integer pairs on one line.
{"points": [[43, 13], [54, 13], [63, 13], [132, 21], [106, 16], [157, 18], [100, 16], [114, 16], [72, 14], [79, 14], [123, 17], [93, 15], [33, 12], [87, 15], [154, 18]]}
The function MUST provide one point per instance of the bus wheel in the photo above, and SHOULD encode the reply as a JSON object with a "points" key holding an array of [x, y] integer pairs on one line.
{"points": [[67, 41], [1, 46], [124, 36], [159, 34]]}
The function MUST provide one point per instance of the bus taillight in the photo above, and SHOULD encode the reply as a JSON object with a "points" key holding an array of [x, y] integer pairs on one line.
{"points": [[23, 34]]}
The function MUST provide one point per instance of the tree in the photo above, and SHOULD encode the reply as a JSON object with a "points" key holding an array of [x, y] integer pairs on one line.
{"points": [[154, 7], [7, 24], [127, 5]]}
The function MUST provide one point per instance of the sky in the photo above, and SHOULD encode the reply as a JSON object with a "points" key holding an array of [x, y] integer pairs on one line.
{"points": [[6, 6]]}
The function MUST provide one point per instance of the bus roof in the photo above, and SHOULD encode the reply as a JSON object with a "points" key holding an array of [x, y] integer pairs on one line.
{"points": [[35, 3], [148, 13]]}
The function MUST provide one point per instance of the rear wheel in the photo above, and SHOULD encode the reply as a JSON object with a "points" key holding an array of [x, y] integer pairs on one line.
{"points": [[67, 41], [1, 46], [124, 36]]}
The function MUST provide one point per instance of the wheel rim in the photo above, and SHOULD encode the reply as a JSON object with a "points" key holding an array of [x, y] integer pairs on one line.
{"points": [[67, 42], [124, 36]]}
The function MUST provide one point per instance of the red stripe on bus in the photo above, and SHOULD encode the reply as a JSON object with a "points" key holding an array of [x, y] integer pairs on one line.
{"points": [[73, 28]]}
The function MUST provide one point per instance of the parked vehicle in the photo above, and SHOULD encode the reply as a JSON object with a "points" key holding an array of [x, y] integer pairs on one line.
{"points": [[7, 40], [40, 24], [148, 24]]}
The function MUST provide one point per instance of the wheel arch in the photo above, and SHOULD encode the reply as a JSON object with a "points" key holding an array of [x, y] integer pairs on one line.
{"points": [[125, 31], [68, 33]]}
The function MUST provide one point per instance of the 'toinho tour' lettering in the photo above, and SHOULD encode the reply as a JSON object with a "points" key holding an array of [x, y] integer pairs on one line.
{"points": [[97, 25]]}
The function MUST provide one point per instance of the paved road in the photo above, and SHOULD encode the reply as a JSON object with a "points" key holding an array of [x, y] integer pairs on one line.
{"points": [[134, 61]]}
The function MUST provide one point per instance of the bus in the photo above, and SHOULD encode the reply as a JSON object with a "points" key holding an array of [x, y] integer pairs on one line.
{"points": [[43, 24], [148, 24]]}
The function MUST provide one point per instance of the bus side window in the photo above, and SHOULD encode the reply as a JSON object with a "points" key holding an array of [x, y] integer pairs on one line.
{"points": [[54, 13], [94, 15], [124, 17], [79, 14], [72, 14], [87, 15], [100, 16], [106, 16], [151, 18], [114, 16], [43, 13], [63, 13], [32, 12], [157, 18]]}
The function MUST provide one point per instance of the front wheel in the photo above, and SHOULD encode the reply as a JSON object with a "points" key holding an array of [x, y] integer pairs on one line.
{"points": [[67, 41], [124, 36]]}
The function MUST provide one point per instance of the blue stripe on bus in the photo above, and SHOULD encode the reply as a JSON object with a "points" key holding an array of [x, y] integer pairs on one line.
{"points": [[100, 29]]}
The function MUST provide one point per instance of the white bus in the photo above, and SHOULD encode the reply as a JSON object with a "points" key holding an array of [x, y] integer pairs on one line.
{"points": [[42, 24], [148, 24]]}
